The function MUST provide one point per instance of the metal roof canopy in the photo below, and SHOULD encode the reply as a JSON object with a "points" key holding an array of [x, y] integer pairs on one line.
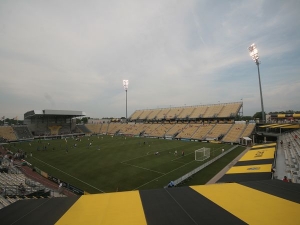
{"points": [[51, 112]]}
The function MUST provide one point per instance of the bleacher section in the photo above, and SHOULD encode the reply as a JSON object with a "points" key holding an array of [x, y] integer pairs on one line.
{"points": [[204, 123], [249, 129], [152, 114], [151, 128], [7, 133], [161, 130], [176, 129], [202, 131], [188, 131], [94, 128], [22, 132], [218, 131], [186, 112], [11, 192], [235, 133], [113, 128], [198, 112], [291, 147], [205, 112], [103, 129], [145, 114], [134, 129], [162, 114], [174, 113], [136, 114], [83, 129], [213, 111]]}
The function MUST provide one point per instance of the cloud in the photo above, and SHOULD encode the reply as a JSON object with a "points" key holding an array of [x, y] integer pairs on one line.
{"points": [[74, 55]]}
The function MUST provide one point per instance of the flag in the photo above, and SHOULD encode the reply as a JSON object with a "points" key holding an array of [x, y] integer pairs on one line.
{"points": [[16, 118], [3, 117]]}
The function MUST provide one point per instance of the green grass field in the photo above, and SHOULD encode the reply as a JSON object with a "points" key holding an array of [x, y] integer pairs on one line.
{"points": [[117, 163]]}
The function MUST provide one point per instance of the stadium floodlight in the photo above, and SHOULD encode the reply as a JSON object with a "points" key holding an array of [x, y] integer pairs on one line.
{"points": [[125, 85], [254, 55]]}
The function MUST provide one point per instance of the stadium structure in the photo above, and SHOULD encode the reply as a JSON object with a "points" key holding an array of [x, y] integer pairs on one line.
{"points": [[51, 122], [248, 193]]}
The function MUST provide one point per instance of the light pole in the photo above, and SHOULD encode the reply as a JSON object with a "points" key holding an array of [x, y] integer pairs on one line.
{"points": [[254, 54], [125, 85]]}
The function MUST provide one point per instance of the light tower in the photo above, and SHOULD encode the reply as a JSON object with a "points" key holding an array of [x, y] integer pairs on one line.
{"points": [[125, 85], [254, 54]]}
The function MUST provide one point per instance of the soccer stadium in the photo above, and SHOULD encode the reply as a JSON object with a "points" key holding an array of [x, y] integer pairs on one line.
{"points": [[159, 166], [149, 112]]}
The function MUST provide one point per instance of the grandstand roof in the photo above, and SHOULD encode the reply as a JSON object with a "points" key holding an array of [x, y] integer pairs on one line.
{"points": [[52, 112], [252, 202]]}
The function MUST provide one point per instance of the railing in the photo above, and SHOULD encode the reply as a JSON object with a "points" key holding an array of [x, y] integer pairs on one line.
{"points": [[186, 176], [15, 190]]}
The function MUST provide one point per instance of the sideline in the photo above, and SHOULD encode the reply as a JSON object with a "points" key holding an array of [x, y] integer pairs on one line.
{"points": [[69, 175], [142, 168]]}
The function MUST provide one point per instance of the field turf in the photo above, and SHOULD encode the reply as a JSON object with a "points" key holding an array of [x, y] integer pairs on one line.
{"points": [[115, 163]]}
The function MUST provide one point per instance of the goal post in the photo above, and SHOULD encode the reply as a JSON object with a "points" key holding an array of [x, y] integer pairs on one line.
{"points": [[202, 154]]}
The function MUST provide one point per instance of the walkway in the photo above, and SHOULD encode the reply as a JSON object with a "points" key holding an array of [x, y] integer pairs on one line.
{"points": [[226, 168]]}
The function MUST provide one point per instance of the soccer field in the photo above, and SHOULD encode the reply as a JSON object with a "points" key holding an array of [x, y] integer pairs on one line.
{"points": [[107, 164]]}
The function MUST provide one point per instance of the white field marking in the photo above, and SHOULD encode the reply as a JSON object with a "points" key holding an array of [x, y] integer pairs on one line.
{"points": [[142, 168], [69, 175], [177, 161], [180, 157], [162, 176], [135, 158], [166, 173]]}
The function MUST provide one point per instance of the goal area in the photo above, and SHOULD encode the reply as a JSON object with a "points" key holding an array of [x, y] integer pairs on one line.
{"points": [[202, 154]]}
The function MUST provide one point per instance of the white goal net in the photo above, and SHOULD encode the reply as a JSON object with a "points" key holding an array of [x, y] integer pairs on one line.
{"points": [[202, 154]]}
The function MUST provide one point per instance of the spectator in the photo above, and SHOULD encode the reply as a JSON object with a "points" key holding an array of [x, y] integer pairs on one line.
{"points": [[60, 188], [171, 184], [22, 188], [285, 179]]}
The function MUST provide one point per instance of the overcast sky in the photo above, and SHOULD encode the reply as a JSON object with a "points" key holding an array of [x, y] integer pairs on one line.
{"points": [[74, 55]]}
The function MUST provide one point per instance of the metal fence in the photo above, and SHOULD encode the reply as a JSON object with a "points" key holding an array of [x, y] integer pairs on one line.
{"points": [[186, 176]]}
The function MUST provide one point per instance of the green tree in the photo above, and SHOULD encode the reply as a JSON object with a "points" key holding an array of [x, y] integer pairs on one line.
{"points": [[258, 115]]}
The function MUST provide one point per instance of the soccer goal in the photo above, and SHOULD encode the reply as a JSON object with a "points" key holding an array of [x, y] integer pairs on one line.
{"points": [[202, 154]]}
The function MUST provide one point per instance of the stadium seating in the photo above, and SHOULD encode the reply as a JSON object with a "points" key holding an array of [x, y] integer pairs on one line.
{"points": [[161, 130], [151, 129], [234, 133], [248, 131], [103, 129], [188, 131], [162, 114], [218, 131], [186, 112], [176, 129], [174, 113], [84, 129], [213, 111], [22, 132], [198, 112], [113, 128], [230, 110], [202, 131], [7, 133], [145, 114], [136, 114], [94, 128], [153, 113]]}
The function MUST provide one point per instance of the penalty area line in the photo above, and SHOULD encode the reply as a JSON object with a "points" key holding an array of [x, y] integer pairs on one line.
{"points": [[69, 175], [161, 176], [142, 168]]}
